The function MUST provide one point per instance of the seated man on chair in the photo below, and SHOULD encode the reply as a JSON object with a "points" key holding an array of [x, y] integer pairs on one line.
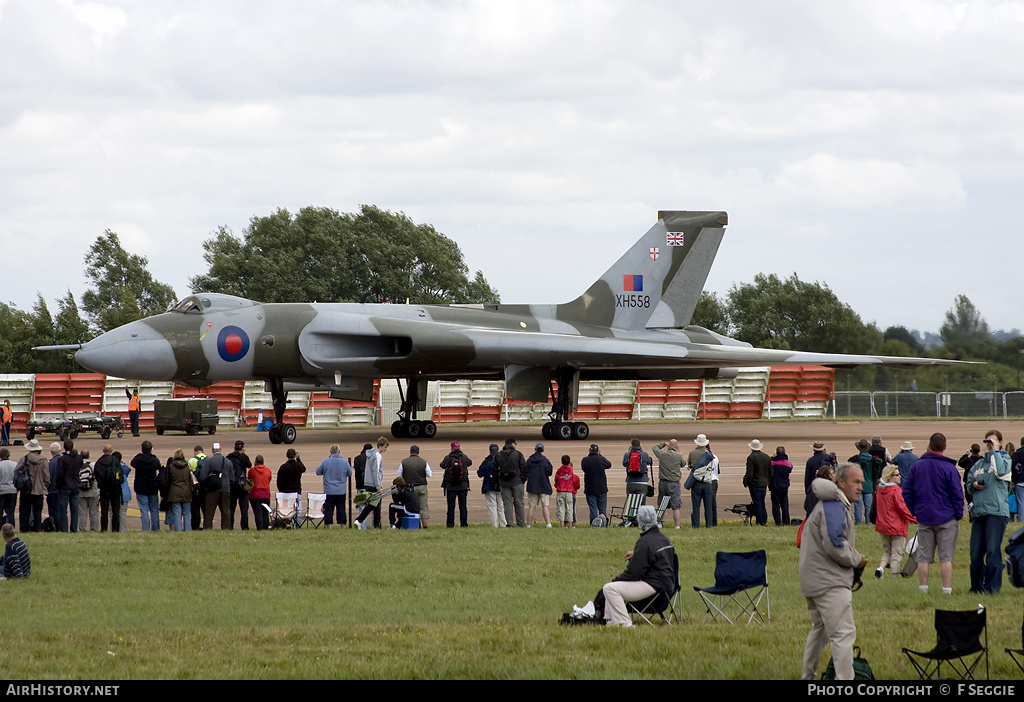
{"points": [[649, 570], [404, 501]]}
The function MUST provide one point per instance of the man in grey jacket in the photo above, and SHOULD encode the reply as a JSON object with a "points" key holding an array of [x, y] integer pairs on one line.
{"points": [[828, 556]]}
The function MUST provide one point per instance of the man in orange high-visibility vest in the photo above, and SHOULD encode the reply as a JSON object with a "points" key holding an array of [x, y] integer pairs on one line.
{"points": [[134, 406], [6, 417]]}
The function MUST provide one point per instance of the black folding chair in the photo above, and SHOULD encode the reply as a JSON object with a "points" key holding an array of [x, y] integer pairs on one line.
{"points": [[645, 610], [737, 574], [958, 645]]}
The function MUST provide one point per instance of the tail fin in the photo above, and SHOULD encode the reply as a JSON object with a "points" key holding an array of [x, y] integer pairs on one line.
{"points": [[656, 284]]}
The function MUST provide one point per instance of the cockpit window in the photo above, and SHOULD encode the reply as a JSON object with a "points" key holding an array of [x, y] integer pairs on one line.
{"points": [[189, 304], [211, 302]]}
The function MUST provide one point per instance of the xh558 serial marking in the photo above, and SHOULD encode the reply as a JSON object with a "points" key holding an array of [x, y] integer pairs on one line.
{"points": [[630, 324]]}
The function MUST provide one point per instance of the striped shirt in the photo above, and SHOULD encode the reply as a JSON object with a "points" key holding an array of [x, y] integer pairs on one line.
{"points": [[16, 562]]}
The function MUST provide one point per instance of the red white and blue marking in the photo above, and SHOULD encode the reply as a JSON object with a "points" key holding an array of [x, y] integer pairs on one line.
{"points": [[232, 343], [674, 239], [632, 283]]}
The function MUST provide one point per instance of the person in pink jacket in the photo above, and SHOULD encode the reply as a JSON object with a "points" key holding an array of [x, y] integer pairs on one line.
{"points": [[891, 521]]}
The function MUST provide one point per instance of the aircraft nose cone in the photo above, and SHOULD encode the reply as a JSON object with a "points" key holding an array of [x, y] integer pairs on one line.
{"points": [[135, 350]]}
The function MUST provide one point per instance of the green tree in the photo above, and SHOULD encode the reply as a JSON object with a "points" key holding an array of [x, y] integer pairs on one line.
{"points": [[902, 334], [711, 313], [793, 314], [121, 288], [965, 333], [321, 255], [17, 337]]}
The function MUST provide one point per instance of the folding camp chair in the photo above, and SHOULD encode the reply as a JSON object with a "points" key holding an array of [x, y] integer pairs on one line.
{"points": [[958, 640], [314, 509], [1017, 656], [662, 508], [627, 515], [644, 610], [286, 512], [745, 511], [737, 573]]}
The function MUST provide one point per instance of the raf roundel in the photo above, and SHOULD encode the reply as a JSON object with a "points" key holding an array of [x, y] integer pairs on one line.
{"points": [[232, 343]]}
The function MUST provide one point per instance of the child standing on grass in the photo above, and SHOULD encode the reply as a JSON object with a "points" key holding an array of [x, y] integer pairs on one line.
{"points": [[566, 485], [891, 520]]}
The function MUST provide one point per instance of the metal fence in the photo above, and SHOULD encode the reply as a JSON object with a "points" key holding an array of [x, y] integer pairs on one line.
{"points": [[927, 404]]}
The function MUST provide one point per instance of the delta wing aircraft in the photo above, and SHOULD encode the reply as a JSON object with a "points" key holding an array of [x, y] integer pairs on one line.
{"points": [[633, 323]]}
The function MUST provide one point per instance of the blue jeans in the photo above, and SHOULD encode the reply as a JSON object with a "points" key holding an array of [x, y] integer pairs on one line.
{"points": [[598, 504], [702, 493], [180, 516], [757, 497], [149, 507], [986, 560], [863, 507], [1018, 492], [67, 500]]}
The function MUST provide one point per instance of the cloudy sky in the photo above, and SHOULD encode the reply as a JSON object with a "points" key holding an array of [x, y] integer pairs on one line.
{"points": [[874, 145]]}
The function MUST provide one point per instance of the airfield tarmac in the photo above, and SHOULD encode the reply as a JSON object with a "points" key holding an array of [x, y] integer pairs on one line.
{"points": [[729, 440]]}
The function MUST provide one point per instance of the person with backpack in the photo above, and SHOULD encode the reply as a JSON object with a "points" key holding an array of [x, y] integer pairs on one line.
{"points": [[510, 466], [455, 483], [109, 477], [32, 478], [703, 466], [259, 496], [88, 496], [240, 465], [637, 463], [489, 488], [215, 476], [866, 461]]}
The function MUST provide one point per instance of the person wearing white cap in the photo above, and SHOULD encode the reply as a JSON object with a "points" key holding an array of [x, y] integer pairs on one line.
{"points": [[905, 459], [705, 486], [649, 570], [756, 479]]}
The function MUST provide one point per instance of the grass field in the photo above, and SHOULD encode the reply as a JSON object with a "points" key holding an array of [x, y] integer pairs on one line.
{"points": [[438, 603]]}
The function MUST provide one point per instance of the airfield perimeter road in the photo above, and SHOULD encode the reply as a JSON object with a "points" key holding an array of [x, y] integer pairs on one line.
{"points": [[728, 439]]}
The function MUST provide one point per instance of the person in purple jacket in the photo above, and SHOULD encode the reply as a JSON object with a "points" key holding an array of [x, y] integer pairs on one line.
{"points": [[935, 495]]}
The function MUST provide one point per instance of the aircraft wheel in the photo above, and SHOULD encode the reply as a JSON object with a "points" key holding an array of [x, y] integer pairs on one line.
{"points": [[413, 430], [105, 433], [580, 430], [429, 430], [288, 433], [274, 433], [563, 430], [397, 430], [545, 431]]}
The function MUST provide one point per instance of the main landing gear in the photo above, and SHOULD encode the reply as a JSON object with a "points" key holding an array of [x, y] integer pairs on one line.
{"points": [[563, 402], [280, 433], [414, 399]]}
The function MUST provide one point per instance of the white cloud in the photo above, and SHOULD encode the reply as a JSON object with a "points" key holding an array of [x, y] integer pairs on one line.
{"points": [[824, 180]]}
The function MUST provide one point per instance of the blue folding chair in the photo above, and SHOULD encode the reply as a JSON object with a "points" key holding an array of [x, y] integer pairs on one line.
{"points": [[738, 574]]}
